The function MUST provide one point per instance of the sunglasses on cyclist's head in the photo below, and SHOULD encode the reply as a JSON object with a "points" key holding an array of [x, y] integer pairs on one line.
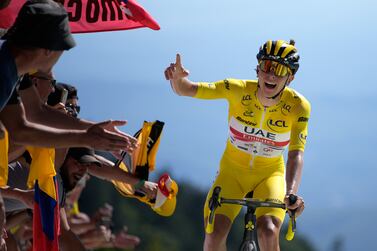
{"points": [[279, 70]]}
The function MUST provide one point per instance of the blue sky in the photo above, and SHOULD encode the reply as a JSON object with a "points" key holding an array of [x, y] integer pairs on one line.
{"points": [[120, 76]]}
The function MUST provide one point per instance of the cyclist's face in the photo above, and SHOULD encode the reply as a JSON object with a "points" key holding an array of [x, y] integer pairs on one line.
{"points": [[270, 84]]}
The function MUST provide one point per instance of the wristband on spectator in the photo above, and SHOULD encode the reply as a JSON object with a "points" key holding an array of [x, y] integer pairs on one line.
{"points": [[139, 185]]}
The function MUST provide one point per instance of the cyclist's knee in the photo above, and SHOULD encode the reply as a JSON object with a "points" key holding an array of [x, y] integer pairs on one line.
{"points": [[212, 243], [268, 227]]}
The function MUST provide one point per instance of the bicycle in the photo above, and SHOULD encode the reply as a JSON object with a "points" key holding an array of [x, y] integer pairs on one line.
{"points": [[250, 239]]}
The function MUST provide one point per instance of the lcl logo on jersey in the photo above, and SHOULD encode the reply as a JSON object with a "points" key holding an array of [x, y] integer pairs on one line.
{"points": [[285, 109], [302, 137], [246, 100], [276, 123]]}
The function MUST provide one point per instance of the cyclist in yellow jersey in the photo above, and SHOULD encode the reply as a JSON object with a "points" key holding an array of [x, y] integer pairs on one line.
{"points": [[265, 117]]}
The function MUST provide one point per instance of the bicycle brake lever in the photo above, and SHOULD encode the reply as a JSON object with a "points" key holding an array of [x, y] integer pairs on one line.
{"points": [[213, 203], [292, 200], [292, 223]]}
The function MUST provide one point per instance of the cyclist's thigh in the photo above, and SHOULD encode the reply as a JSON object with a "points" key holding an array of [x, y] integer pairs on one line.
{"points": [[230, 188], [271, 188]]}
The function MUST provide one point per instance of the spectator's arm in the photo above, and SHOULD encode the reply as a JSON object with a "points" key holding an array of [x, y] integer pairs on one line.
{"points": [[16, 219], [96, 238], [108, 171], [24, 132], [25, 196], [40, 113], [80, 228], [68, 240], [15, 151]]}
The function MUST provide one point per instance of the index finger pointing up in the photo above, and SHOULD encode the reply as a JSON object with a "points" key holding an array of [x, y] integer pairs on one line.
{"points": [[178, 61]]}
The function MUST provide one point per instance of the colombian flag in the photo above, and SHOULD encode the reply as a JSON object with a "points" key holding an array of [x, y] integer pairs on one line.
{"points": [[46, 220]]}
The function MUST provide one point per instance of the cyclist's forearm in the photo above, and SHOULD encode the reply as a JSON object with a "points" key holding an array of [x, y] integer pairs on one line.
{"points": [[184, 87], [294, 168]]}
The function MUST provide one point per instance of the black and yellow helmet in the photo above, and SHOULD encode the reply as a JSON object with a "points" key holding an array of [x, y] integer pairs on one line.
{"points": [[280, 51]]}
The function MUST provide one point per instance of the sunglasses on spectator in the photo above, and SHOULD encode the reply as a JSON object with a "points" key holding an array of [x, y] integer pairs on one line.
{"points": [[77, 108], [52, 81], [279, 70]]}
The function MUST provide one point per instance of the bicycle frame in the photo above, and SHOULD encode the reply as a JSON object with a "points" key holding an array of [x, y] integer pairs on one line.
{"points": [[250, 240]]}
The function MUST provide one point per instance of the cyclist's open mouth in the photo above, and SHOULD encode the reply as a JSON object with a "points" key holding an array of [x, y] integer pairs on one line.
{"points": [[269, 86]]}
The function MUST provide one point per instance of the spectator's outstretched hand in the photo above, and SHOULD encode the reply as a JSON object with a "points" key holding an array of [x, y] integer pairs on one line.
{"points": [[125, 241], [112, 126], [150, 188], [99, 137]]}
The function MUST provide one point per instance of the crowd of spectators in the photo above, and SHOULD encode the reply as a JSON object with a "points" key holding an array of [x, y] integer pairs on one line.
{"points": [[38, 111]]}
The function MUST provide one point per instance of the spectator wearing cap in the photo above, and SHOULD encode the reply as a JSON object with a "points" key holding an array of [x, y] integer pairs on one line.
{"points": [[27, 92], [36, 40]]}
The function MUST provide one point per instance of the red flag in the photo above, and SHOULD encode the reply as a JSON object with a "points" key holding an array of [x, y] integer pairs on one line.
{"points": [[93, 15]]}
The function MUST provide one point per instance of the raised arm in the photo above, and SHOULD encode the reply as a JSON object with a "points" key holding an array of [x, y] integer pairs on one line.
{"points": [[179, 82]]}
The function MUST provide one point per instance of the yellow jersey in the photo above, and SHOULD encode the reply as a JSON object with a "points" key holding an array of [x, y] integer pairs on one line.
{"points": [[259, 135]]}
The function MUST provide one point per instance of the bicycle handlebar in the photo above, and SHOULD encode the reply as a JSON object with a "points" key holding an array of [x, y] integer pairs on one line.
{"points": [[216, 201]]}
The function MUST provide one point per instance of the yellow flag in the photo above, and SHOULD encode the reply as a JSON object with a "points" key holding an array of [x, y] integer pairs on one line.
{"points": [[42, 168], [4, 146]]}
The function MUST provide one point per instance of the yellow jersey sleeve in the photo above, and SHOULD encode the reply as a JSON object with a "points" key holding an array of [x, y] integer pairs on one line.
{"points": [[299, 129], [220, 89]]}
